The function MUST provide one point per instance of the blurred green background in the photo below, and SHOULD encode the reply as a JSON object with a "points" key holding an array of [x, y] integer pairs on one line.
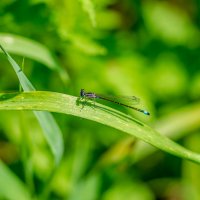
{"points": [[147, 48]]}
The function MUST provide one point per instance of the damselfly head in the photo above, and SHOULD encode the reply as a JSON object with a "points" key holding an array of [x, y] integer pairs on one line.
{"points": [[82, 93]]}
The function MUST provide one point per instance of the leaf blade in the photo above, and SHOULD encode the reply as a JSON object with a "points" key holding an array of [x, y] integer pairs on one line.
{"points": [[55, 143], [62, 103], [34, 50]]}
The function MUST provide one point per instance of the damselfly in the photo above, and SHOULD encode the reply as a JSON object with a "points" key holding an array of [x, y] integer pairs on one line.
{"points": [[126, 101]]}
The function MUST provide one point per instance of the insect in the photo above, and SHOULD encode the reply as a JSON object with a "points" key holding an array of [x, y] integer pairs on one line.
{"points": [[126, 101]]}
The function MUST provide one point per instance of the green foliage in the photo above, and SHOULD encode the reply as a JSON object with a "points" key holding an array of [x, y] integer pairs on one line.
{"points": [[9, 180], [149, 49]]}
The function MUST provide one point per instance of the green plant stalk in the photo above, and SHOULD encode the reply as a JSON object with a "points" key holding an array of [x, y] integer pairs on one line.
{"points": [[62, 103]]}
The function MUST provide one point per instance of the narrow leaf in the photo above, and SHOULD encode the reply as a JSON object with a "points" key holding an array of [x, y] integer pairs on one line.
{"points": [[31, 49], [62, 103], [50, 128]]}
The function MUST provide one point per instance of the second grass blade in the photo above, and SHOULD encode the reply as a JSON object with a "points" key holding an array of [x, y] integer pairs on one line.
{"points": [[50, 128]]}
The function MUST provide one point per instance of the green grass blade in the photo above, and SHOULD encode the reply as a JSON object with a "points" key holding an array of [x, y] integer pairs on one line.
{"points": [[31, 49], [10, 185], [62, 103], [25, 83], [50, 128]]}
